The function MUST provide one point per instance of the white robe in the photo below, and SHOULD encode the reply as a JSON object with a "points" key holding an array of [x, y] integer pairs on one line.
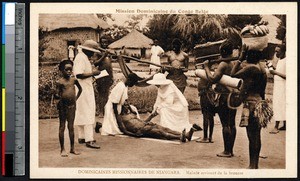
{"points": [[173, 108], [118, 95], [155, 52], [85, 104], [279, 93]]}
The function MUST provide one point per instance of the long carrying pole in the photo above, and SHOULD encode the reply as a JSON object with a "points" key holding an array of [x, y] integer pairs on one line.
{"points": [[219, 60], [136, 59], [167, 66]]}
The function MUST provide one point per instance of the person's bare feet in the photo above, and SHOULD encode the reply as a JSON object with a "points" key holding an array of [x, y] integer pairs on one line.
{"points": [[203, 140], [183, 136], [190, 134], [263, 156], [274, 131], [74, 152], [63, 153], [197, 127], [224, 154]]}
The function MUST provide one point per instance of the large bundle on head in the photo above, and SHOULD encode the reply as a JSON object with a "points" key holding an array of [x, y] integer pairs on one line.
{"points": [[255, 36]]}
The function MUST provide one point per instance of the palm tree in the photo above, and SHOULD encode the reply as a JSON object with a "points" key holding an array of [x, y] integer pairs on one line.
{"points": [[192, 29], [198, 28]]}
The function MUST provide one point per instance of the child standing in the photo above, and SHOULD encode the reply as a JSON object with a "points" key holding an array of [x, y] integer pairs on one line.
{"points": [[66, 106]]}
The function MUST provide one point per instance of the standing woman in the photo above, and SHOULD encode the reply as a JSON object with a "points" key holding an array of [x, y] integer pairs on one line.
{"points": [[156, 51], [279, 89], [170, 104], [253, 91], [179, 60]]}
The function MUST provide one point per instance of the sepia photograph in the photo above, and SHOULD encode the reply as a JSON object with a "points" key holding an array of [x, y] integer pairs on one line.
{"points": [[173, 90]]}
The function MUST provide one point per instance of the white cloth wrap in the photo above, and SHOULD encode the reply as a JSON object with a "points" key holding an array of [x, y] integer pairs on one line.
{"points": [[85, 104], [118, 95]]}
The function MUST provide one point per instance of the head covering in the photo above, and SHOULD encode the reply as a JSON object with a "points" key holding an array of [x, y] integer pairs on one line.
{"points": [[159, 79], [91, 45]]}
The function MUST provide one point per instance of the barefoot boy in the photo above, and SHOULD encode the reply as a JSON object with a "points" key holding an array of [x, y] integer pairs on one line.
{"points": [[65, 90]]}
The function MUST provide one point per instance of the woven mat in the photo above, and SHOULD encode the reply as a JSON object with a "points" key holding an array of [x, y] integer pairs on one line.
{"points": [[177, 142]]}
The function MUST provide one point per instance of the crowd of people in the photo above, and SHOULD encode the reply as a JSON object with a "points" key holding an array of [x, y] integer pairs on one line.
{"points": [[77, 103]]}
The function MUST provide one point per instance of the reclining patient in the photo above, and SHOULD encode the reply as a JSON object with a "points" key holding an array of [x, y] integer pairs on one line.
{"points": [[131, 125]]}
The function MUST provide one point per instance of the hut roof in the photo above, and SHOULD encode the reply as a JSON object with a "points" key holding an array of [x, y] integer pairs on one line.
{"points": [[272, 26], [58, 21], [134, 39]]}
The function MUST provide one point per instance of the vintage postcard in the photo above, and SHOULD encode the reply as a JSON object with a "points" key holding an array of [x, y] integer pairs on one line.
{"points": [[89, 61]]}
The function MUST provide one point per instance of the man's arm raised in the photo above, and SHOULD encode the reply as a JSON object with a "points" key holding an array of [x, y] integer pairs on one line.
{"points": [[214, 78]]}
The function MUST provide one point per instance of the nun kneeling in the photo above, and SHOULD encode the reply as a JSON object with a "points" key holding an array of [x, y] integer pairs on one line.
{"points": [[170, 104]]}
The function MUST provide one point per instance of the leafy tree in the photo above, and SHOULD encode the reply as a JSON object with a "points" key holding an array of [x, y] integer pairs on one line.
{"points": [[281, 29], [135, 20], [116, 32], [43, 42], [192, 29], [104, 17], [160, 29], [240, 21]]}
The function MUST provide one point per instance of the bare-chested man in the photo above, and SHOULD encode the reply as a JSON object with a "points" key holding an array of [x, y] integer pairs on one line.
{"points": [[226, 114]]}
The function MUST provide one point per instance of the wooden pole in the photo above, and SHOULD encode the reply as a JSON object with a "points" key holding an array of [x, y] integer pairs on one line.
{"points": [[219, 60], [137, 60]]}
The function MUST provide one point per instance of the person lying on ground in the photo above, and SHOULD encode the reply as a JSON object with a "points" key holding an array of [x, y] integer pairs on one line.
{"points": [[131, 125]]}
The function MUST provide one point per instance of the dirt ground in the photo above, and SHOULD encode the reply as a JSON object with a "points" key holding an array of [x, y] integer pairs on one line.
{"points": [[128, 152]]}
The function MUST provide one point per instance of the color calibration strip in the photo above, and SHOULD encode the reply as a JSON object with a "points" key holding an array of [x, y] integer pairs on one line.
{"points": [[13, 89], [8, 59]]}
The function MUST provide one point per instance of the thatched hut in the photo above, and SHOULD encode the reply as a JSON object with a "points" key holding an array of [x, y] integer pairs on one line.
{"points": [[63, 30], [135, 43]]}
